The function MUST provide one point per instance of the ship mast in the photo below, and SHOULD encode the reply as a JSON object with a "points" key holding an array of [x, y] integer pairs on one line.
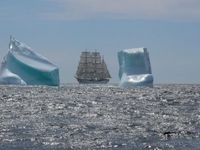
{"points": [[95, 66]]}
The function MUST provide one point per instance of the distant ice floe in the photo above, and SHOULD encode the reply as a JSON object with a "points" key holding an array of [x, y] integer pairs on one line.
{"points": [[135, 68], [23, 66]]}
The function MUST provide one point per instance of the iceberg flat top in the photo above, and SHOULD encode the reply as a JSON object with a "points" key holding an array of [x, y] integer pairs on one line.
{"points": [[134, 50]]}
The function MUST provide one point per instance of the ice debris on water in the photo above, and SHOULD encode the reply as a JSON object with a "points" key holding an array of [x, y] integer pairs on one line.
{"points": [[135, 68], [23, 66]]}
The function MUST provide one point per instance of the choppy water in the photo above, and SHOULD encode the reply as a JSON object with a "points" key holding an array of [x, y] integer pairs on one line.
{"points": [[100, 117]]}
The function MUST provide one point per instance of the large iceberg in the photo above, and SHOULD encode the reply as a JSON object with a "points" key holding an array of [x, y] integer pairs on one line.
{"points": [[135, 68], [23, 66]]}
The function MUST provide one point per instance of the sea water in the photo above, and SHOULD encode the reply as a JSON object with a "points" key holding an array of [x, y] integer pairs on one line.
{"points": [[79, 117]]}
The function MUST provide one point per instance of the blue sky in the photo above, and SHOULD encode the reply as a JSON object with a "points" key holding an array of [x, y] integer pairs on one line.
{"points": [[61, 29]]}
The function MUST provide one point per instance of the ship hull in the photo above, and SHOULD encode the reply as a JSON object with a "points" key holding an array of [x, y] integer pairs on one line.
{"points": [[85, 81]]}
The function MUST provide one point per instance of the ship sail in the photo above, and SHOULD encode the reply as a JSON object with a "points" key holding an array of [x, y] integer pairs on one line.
{"points": [[92, 68]]}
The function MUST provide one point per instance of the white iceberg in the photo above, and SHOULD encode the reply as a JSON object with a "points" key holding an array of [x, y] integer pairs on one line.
{"points": [[22, 65], [135, 68]]}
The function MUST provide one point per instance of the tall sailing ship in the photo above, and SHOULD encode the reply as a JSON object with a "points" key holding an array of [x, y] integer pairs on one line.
{"points": [[92, 69]]}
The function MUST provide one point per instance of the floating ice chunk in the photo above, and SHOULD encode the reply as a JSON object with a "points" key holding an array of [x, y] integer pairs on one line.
{"points": [[135, 68], [23, 64], [7, 77]]}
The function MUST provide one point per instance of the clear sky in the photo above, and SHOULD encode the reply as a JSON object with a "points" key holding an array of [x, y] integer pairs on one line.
{"points": [[61, 29]]}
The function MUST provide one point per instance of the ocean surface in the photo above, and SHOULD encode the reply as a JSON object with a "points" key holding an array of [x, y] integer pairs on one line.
{"points": [[74, 117]]}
